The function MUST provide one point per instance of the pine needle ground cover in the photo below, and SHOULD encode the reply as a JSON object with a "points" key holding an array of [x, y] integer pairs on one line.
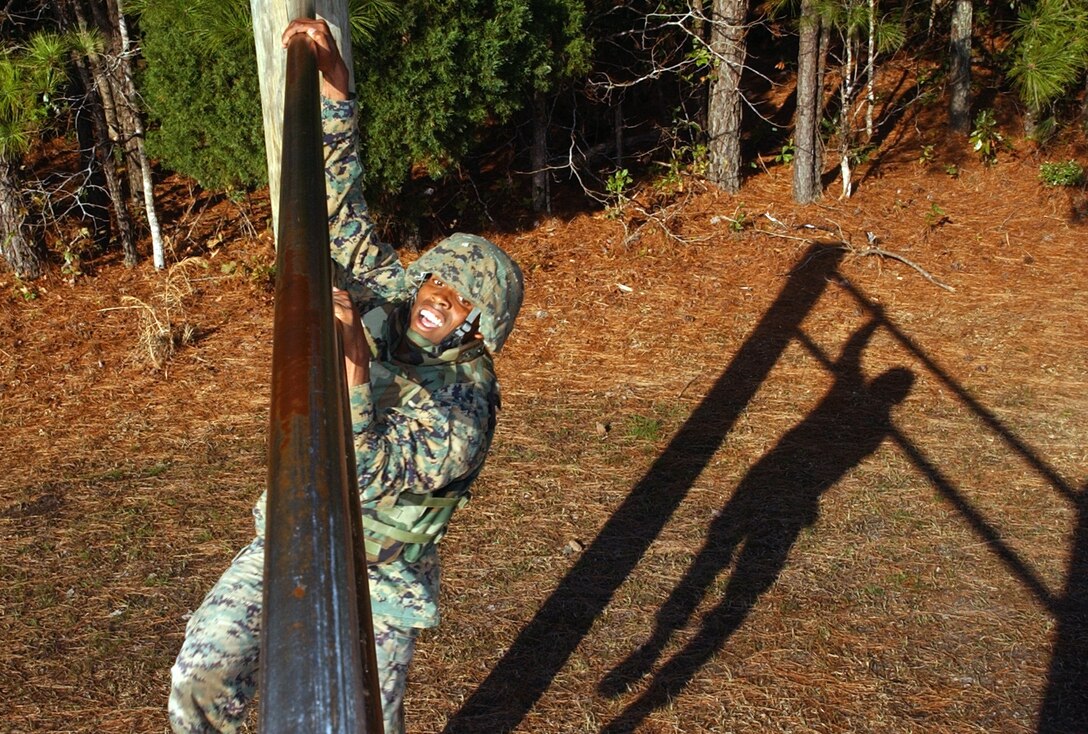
{"points": [[745, 479]]}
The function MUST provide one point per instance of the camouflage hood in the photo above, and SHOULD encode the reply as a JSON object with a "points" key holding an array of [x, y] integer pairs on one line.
{"points": [[481, 272]]}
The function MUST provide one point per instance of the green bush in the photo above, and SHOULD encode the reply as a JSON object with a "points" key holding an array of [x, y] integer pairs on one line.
{"points": [[1069, 173], [439, 74], [204, 103]]}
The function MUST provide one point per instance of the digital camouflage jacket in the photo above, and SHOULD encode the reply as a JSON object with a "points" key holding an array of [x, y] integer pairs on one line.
{"points": [[424, 423]]}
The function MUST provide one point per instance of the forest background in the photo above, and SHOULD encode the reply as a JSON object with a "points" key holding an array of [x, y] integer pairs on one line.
{"points": [[832, 250]]}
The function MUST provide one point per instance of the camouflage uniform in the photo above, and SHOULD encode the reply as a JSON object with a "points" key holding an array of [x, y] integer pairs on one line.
{"points": [[422, 428]]}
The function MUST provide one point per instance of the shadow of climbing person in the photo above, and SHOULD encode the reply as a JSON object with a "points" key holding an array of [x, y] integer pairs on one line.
{"points": [[774, 502]]}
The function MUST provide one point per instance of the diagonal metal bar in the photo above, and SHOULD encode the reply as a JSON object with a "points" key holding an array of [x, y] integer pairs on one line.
{"points": [[317, 674]]}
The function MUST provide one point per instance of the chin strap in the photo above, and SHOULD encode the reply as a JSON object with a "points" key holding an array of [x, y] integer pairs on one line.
{"points": [[458, 335], [454, 339]]}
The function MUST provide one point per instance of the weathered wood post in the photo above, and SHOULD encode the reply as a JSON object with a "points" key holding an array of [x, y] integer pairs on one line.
{"points": [[270, 18]]}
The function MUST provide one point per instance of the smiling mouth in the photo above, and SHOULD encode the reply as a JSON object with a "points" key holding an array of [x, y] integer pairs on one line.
{"points": [[430, 319]]}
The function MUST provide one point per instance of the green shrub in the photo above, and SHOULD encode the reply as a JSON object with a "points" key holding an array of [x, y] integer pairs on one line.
{"points": [[985, 138], [1069, 173], [204, 102]]}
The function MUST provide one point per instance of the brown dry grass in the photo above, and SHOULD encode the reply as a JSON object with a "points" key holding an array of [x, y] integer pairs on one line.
{"points": [[706, 437]]}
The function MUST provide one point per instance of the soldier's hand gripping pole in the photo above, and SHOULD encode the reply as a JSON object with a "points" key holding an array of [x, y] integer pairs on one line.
{"points": [[317, 645]]}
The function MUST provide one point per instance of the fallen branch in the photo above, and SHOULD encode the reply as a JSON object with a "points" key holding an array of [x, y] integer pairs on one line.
{"points": [[844, 244], [880, 252]]}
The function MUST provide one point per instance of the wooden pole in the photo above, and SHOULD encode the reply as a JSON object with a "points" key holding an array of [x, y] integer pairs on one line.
{"points": [[270, 18]]}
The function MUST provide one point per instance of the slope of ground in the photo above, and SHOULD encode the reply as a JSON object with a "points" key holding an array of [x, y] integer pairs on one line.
{"points": [[747, 478]]}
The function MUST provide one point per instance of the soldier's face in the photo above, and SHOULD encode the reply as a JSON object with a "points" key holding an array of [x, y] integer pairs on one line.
{"points": [[438, 310]]}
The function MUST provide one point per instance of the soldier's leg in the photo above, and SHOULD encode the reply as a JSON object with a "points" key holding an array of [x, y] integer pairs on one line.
{"points": [[215, 674], [393, 647]]}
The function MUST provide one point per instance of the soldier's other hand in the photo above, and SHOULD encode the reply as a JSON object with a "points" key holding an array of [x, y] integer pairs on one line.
{"points": [[343, 309], [356, 349]]}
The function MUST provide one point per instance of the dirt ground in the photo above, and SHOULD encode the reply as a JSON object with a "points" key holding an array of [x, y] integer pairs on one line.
{"points": [[749, 475]]}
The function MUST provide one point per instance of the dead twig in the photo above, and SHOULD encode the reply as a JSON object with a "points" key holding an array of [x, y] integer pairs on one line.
{"points": [[868, 251], [881, 252]]}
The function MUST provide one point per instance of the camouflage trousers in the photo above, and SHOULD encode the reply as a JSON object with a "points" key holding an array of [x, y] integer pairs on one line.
{"points": [[215, 674]]}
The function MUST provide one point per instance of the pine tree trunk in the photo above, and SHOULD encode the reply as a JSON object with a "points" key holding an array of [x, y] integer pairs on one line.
{"points": [[806, 178], [96, 86], [119, 71], [19, 252], [727, 46], [959, 73], [539, 154]]}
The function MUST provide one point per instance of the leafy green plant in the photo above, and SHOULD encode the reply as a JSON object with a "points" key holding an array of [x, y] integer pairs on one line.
{"points": [[24, 291], [786, 153], [985, 138], [860, 154], [618, 182], [1068, 173], [616, 185], [926, 155], [739, 221], [936, 216]]}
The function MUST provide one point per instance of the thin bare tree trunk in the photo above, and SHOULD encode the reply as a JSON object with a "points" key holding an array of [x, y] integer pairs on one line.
{"points": [[119, 66], [870, 73], [700, 96], [846, 121], [129, 91], [959, 74], [806, 176], [727, 47], [541, 198], [617, 130], [100, 99], [822, 50]]}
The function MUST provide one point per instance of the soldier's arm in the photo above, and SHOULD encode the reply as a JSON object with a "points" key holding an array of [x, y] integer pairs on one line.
{"points": [[362, 260], [365, 266], [420, 447]]}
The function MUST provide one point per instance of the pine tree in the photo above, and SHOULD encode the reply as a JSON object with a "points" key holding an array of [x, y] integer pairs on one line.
{"points": [[1051, 54], [29, 78]]}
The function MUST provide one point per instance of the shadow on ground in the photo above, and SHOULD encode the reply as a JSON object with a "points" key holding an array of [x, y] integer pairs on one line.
{"points": [[777, 499]]}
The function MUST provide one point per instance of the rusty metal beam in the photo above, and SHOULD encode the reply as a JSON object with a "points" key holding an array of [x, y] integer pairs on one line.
{"points": [[317, 669]]}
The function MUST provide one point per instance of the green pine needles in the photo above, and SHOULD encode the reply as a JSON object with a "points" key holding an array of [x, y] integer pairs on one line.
{"points": [[1051, 51]]}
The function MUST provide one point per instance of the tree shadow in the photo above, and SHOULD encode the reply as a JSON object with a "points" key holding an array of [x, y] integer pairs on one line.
{"points": [[544, 645], [775, 501]]}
